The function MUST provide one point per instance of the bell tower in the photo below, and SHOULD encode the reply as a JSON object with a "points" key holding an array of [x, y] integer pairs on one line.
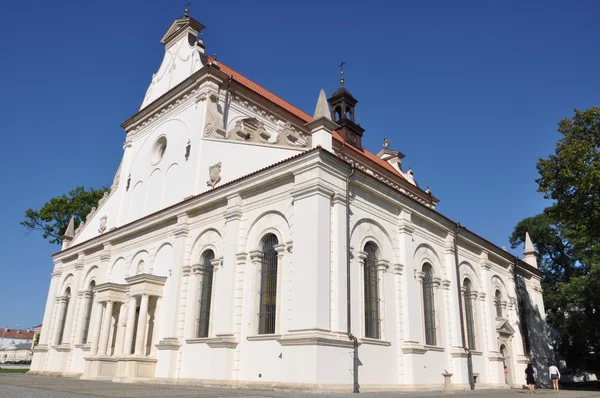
{"points": [[342, 112]]}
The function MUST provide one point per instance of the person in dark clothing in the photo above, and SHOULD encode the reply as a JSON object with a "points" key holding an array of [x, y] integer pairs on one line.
{"points": [[530, 377]]}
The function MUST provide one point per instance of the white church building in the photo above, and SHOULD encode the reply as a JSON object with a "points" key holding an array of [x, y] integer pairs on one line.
{"points": [[246, 243]]}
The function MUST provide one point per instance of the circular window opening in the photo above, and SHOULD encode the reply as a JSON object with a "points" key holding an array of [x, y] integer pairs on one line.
{"points": [[158, 150]]}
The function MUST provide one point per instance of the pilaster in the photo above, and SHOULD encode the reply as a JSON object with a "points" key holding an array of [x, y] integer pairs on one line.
{"points": [[223, 295], [312, 244]]}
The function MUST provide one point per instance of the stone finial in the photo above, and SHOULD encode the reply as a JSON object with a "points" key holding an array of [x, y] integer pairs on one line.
{"points": [[69, 234], [530, 253], [322, 108], [322, 127]]}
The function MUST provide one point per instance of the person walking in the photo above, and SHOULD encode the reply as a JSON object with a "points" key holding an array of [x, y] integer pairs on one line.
{"points": [[529, 377], [554, 376], [536, 378]]}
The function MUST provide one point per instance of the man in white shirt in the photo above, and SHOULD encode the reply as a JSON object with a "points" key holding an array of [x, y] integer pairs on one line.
{"points": [[554, 376]]}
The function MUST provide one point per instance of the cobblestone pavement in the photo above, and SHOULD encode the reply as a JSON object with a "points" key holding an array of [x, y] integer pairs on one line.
{"points": [[25, 386]]}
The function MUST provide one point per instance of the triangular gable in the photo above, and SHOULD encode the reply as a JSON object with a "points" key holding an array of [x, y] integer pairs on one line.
{"points": [[503, 327]]}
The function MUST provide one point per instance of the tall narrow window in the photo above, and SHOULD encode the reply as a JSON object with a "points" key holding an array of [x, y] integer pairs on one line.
{"points": [[428, 305], [469, 315], [371, 291], [89, 305], [63, 316], [205, 293], [498, 302], [268, 285]]}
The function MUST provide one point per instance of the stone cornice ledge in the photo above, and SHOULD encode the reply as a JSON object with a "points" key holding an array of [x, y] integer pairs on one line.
{"points": [[315, 337], [369, 341], [169, 343], [62, 347], [84, 347], [41, 348], [263, 337], [458, 352], [495, 357], [413, 347], [220, 341]]}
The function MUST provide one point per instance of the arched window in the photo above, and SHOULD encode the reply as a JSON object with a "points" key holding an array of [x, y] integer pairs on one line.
{"points": [[469, 314], [268, 285], [89, 305], [371, 291], [63, 316], [205, 293], [428, 305], [498, 303]]}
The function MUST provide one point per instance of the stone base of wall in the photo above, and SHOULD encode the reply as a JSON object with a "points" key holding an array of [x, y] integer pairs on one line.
{"points": [[55, 374], [276, 386]]}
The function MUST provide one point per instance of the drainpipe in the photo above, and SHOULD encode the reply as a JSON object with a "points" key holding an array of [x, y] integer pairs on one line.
{"points": [[348, 295], [226, 108], [460, 310]]}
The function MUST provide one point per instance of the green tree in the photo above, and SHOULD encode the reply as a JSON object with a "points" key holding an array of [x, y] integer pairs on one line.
{"points": [[567, 237], [571, 178], [566, 285], [53, 218]]}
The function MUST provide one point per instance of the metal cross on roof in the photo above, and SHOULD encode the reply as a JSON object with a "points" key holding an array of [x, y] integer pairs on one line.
{"points": [[187, 6], [341, 66]]}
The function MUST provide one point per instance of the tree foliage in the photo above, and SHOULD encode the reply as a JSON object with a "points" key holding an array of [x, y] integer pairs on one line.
{"points": [[571, 178], [567, 237], [53, 218]]}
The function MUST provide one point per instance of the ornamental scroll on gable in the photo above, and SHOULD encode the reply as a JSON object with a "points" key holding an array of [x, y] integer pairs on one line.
{"points": [[251, 124], [214, 175]]}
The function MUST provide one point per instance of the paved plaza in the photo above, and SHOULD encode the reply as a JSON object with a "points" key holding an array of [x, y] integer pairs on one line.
{"points": [[25, 386]]}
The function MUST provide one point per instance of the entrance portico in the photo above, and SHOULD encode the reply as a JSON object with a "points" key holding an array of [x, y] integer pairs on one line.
{"points": [[123, 336]]}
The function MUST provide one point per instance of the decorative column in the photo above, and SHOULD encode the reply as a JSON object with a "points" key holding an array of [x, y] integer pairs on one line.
{"points": [[48, 320], [73, 319], [280, 322], [358, 304], [238, 304], [140, 338], [183, 324], [398, 270], [106, 328], [129, 325], [310, 294], [96, 328]]}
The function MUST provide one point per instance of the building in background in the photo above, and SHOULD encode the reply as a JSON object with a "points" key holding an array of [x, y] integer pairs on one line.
{"points": [[10, 336], [16, 353], [246, 243]]}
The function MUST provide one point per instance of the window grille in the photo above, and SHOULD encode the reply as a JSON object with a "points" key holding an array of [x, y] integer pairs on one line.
{"points": [[429, 305], [205, 293], [88, 313], [63, 316], [469, 315], [268, 285], [498, 304], [371, 282]]}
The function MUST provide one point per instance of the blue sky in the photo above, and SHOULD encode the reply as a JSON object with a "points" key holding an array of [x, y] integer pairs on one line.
{"points": [[470, 91]]}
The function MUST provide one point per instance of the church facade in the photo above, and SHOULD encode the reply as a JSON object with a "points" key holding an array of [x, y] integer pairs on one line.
{"points": [[245, 243]]}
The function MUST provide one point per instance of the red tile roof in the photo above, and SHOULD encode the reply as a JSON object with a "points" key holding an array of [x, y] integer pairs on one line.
{"points": [[16, 334], [244, 81]]}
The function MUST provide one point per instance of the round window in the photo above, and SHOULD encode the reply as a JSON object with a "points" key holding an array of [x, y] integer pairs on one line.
{"points": [[158, 150]]}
